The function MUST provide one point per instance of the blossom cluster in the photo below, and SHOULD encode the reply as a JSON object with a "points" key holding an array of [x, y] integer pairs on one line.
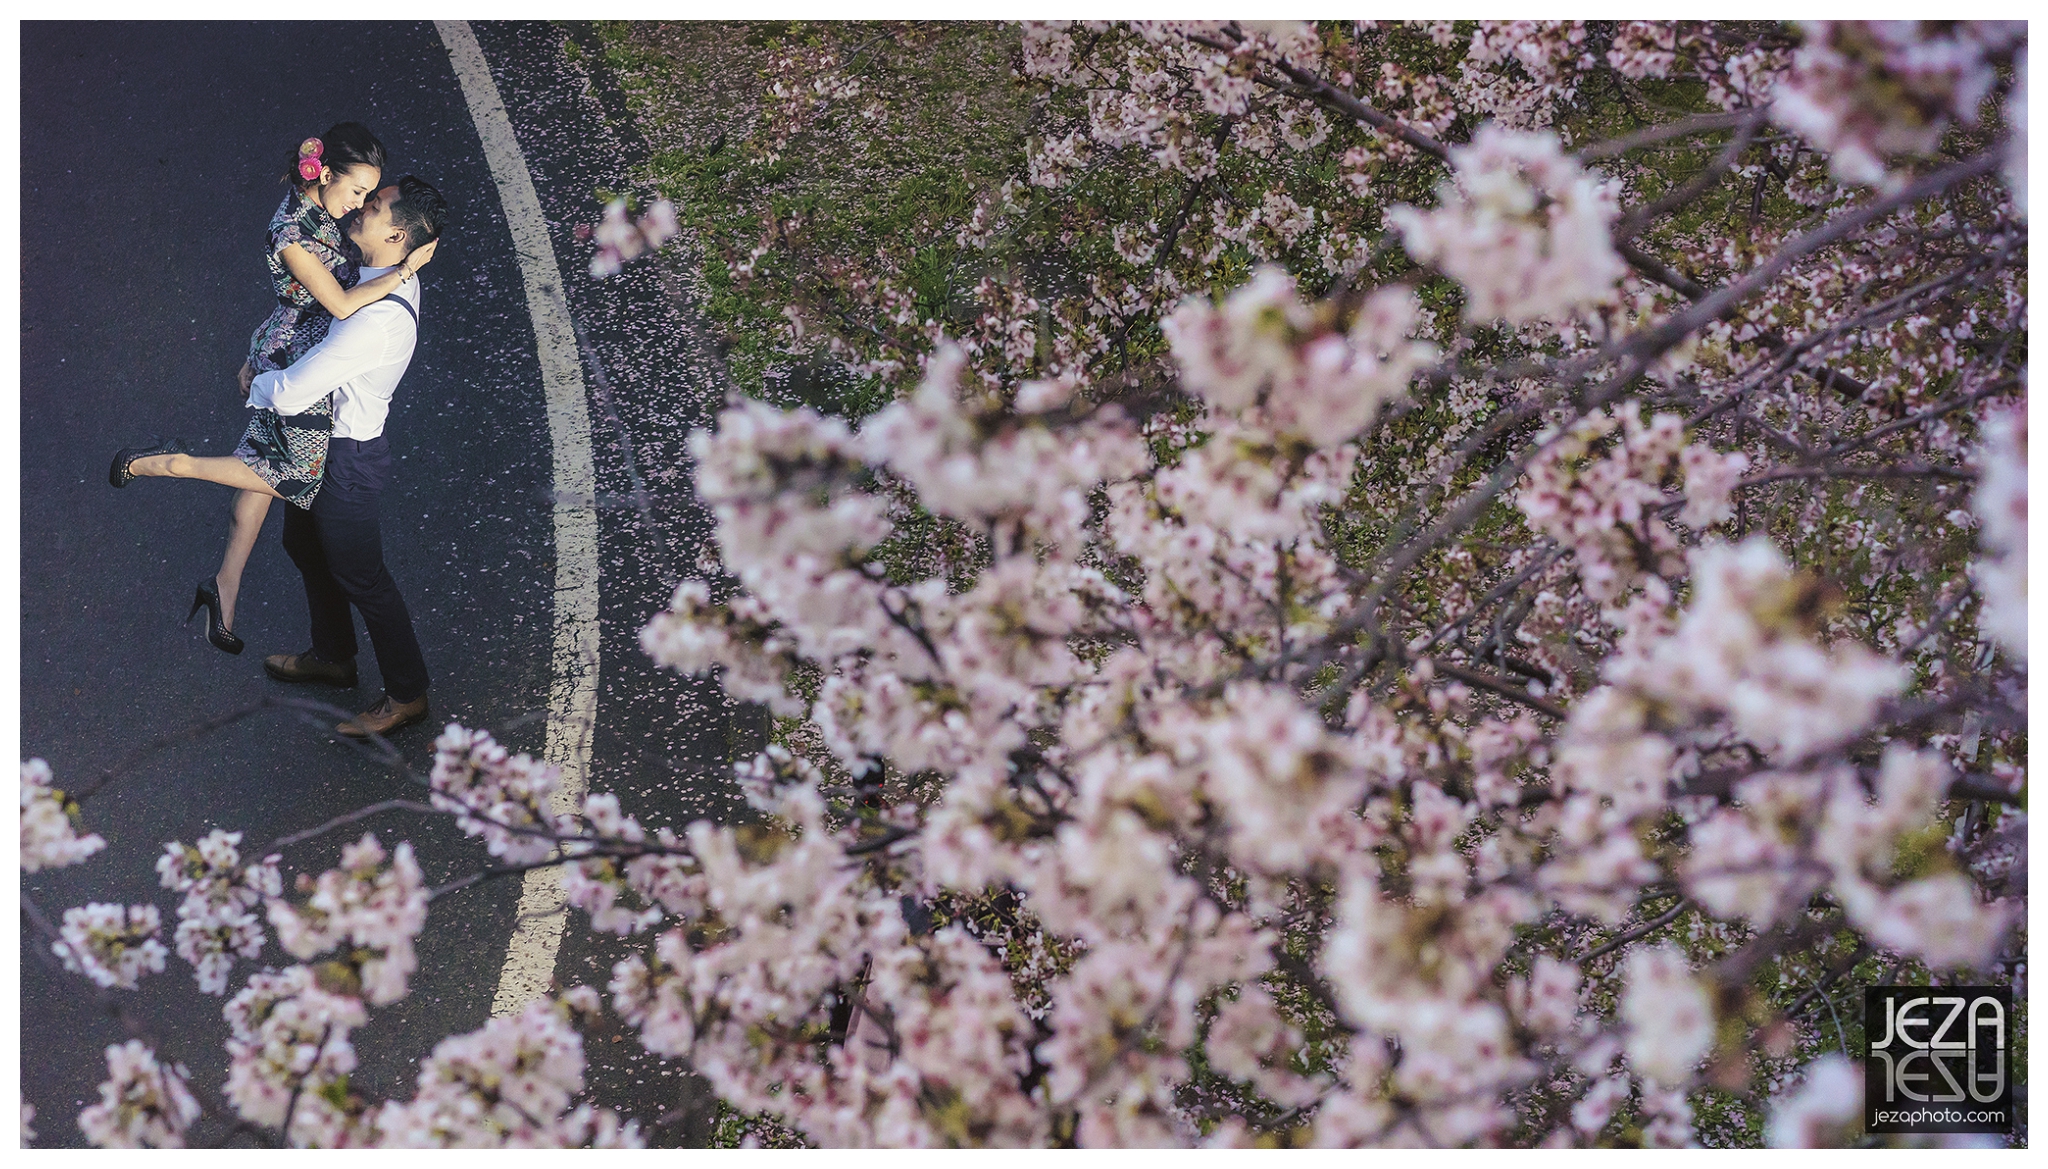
{"points": [[289, 1054], [1609, 510], [503, 799], [290, 1047], [512, 1083], [49, 830], [1522, 227], [622, 236], [2000, 503], [1263, 345], [1148, 778], [216, 920], [509, 1084], [143, 1103], [1864, 91], [1158, 151], [111, 944], [374, 910]]}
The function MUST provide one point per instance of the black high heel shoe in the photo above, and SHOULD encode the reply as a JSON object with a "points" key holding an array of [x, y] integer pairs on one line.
{"points": [[118, 474], [207, 596]]}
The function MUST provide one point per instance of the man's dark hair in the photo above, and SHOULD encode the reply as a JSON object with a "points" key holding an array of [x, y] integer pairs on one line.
{"points": [[420, 210]]}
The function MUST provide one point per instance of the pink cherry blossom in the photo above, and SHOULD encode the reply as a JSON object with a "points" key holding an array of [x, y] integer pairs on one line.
{"points": [[112, 945], [143, 1103], [1523, 227], [1670, 1020], [49, 834]]}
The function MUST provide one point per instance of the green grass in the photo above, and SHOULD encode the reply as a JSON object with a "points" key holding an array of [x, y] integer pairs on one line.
{"points": [[939, 119]]}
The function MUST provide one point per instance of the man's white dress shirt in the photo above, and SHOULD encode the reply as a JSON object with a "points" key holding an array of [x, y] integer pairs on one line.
{"points": [[360, 360]]}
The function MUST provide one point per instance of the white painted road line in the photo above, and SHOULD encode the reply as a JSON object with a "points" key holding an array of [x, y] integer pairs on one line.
{"points": [[572, 696]]}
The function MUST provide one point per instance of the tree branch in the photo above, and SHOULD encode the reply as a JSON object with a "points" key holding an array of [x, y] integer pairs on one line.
{"points": [[1641, 931], [1502, 687], [1314, 88], [347, 818], [1651, 135]]}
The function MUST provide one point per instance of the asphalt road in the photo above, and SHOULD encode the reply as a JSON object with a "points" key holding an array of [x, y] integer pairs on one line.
{"points": [[149, 158]]}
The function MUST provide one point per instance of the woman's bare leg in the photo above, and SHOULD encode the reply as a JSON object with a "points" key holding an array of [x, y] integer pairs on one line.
{"points": [[224, 469], [245, 523]]}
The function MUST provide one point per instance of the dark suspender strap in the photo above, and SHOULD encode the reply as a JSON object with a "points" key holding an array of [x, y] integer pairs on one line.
{"points": [[406, 305]]}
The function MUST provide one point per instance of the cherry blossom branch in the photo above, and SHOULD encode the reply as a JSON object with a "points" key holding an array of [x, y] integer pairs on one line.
{"points": [[1500, 592], [1313, 87], [1308, 85], [1977, 787], [1736, 968], [348, 818], [1501, 687], [1786, 354], [1659, 271], [115, 1009], [291, 1107], [206, 727], [1665, 131], [1838, 471], [607, 847], [1717, 303], [1862, 951], [1639, 218], [1935, 623], [878, 843], [1831, 378], [493, 873], [1309, 980], [1878, 434], [1637, 934]]}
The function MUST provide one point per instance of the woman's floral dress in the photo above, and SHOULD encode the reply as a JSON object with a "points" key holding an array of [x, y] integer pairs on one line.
{"points": [[290, 452]]}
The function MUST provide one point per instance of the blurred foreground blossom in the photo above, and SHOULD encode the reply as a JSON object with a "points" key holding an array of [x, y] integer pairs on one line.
{"points": [[143, 1104], [49, 828], [622, 236]]}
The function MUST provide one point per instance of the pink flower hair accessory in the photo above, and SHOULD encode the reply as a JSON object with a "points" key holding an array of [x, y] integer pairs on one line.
{"points": [[309, 159]]}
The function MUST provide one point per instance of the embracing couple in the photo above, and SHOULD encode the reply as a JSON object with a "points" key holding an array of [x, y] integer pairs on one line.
{"points": [[321, 372]]}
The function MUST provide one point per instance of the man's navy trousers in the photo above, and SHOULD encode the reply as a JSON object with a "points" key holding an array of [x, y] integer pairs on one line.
{"points": [[340, 552]]}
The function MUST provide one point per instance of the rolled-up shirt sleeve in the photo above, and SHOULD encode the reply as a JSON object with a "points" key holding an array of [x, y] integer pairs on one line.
{"points": [[351, 348]]}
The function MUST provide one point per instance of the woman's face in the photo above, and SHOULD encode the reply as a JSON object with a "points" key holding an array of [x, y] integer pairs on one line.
{"points": [[344, 190]]}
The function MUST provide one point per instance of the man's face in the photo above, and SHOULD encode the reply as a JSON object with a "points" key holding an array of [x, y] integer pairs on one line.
{"points": [[373, 227]]}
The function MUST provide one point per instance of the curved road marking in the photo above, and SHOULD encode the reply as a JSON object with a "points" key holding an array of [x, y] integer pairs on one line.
{"points": [[572, 695]]}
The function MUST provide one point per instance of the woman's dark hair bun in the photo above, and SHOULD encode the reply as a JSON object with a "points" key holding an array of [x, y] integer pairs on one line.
{"points": [[345, 146]]}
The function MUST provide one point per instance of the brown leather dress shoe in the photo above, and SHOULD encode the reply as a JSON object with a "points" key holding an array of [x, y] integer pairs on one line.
{"points": [[384, 718], [306, 667]]}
